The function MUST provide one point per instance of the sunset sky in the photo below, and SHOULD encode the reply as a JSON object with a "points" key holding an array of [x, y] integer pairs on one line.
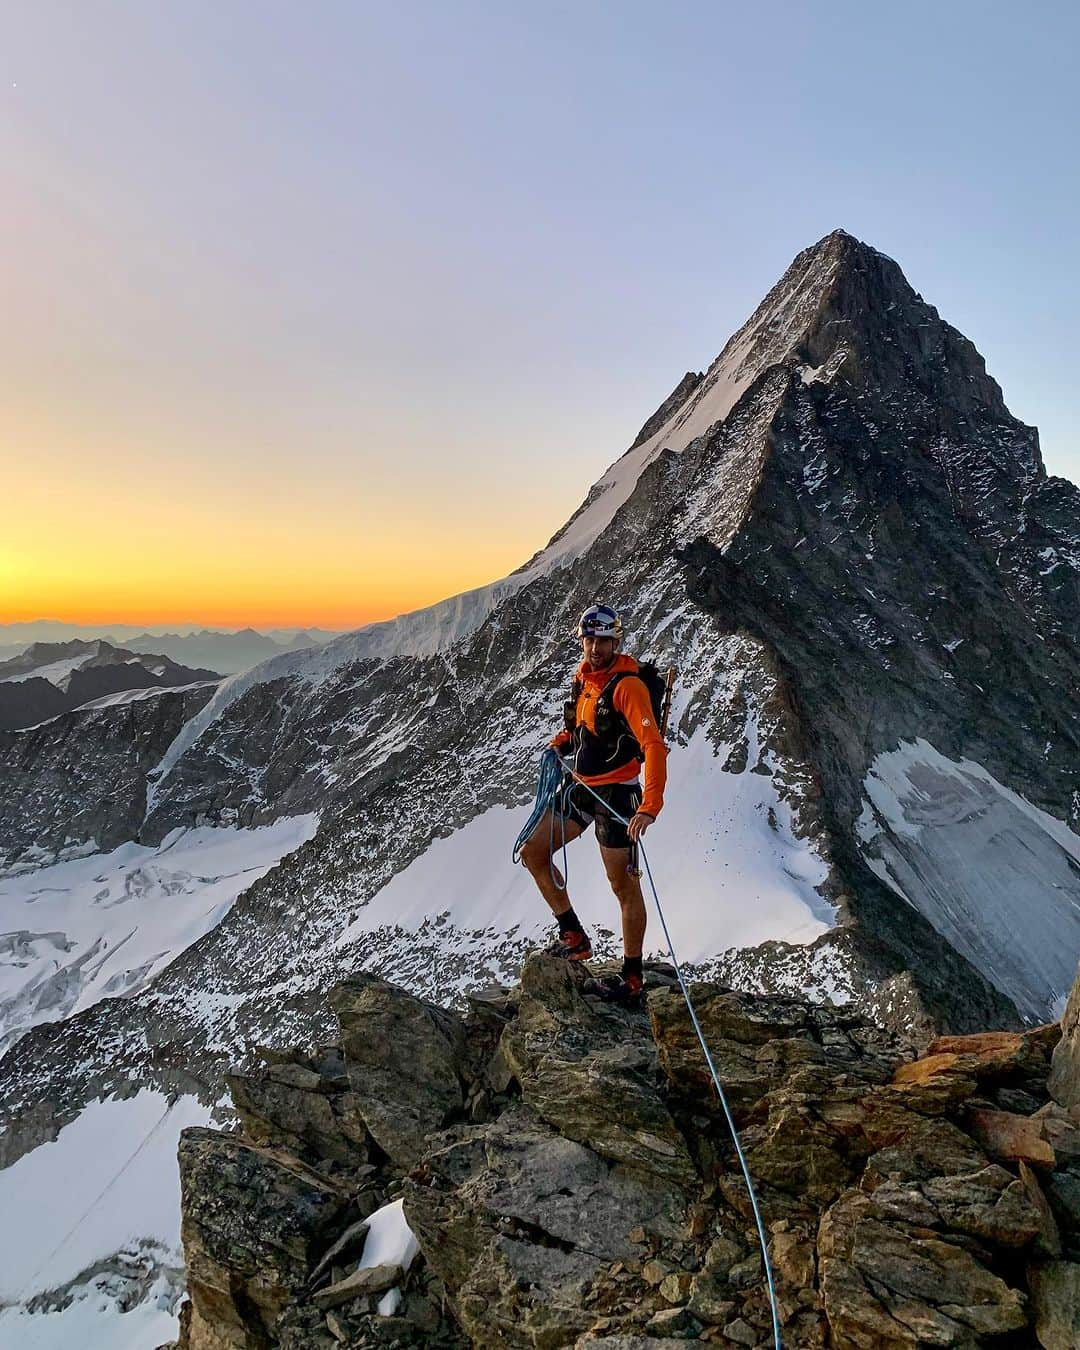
{"points": [[313, 314]]}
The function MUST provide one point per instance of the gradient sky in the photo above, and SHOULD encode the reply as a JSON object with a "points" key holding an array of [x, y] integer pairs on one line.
{"points": [[316, 313]]}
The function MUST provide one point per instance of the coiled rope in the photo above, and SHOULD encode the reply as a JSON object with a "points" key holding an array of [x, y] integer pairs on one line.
{"points": [[563, 766]]}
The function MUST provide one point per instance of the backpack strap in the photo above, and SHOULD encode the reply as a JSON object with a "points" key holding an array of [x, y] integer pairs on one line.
{"points": [[570, 707]]}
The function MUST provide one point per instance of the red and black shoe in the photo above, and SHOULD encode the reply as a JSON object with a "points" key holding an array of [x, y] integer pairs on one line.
{"points": [[570, 946], [625, 990]]}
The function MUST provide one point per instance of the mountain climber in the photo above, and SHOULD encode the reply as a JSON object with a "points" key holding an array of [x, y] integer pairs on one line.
{"points": [[611, 729]]}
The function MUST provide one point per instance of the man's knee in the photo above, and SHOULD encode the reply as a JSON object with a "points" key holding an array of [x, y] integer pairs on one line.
{"points": [[626, 889], [535, 854]]}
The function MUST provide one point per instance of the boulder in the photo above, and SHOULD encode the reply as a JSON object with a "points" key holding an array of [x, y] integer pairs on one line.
{"points": [[1011, 1137], [253, 1222], [404, 1059], [1055, 1295], [591, 1071], [999, 1055], [889, 1283], [523, 1226], [290, 1105]]}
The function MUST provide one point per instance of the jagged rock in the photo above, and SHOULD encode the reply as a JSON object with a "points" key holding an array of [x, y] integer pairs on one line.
{"points": [[591, 1071], [349, 1245], [542, 1228], [294, 1107], [937, 1083], [1002, 1054], [1064, 1081], [1049, 1238], [519, 1223], [888, 1284], [757, 1042], [590, 1342], [253, 1222], [404, 1058], [1013, 1138], [1055, 1293], [674, 1323]]}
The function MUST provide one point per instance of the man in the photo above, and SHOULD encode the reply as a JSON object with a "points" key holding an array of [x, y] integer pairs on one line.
{"points": [[611, 730]]}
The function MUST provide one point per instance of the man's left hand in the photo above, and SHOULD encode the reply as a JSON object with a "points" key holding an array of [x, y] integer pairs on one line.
{"points": [[639, 823]]}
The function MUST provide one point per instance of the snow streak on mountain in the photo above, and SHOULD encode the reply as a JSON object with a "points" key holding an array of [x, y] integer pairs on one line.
{"points": [[851, 552]]}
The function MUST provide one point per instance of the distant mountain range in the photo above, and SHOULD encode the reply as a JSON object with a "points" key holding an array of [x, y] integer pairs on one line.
{"points": [[227, 652], [50, 678]]}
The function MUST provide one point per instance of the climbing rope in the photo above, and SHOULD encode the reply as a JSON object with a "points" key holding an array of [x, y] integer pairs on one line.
{"points": [[550, 796], [701, 1040]]}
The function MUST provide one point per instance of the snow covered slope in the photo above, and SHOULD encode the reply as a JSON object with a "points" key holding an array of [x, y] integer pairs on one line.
{"points": [[997, 876], [90, 1243], [102, 925]]}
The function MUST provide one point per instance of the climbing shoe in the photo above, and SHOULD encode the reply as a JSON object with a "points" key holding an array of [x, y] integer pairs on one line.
{"points": [[625, 990], [570, 946]]}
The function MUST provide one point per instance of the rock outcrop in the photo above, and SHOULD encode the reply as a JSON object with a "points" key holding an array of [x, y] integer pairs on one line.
{"points": [[1065, 1073], [570, 1180]]}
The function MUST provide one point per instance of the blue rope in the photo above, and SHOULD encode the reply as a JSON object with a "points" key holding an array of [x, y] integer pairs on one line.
{"points": [[550, 780], [705, 1050]]}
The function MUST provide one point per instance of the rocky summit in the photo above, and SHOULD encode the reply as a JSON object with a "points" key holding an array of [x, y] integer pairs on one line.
{"points": [[851, 552], [561, 1174]]}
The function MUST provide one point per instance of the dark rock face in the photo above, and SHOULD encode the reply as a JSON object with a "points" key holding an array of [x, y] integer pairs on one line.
{"points": [[890, 557], [83, 776], [893, 1216]]}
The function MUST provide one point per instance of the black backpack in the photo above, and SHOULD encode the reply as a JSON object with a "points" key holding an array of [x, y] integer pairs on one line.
{"points": [[610, 724]]}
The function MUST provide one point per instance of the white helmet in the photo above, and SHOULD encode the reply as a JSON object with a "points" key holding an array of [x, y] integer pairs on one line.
{"points": [[600, 621]]}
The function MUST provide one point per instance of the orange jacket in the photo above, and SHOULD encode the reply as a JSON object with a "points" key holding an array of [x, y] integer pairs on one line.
{"points": [[632, 701]]}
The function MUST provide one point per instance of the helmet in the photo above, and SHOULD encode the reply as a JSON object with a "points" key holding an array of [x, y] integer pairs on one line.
{"points": [[600, 621]]}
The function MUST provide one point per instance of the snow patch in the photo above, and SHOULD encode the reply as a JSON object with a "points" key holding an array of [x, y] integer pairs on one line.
{"points": [[389, 1242]]}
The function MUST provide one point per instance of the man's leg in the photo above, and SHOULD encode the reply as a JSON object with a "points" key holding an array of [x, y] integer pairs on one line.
{"points": [[537, 854], [627, 888]]}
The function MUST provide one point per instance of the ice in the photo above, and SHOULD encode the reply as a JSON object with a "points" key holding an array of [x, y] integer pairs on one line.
{"points": [[994, 874]]}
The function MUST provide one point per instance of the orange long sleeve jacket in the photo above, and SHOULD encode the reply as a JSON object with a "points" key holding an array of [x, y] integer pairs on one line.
{"points": [[632, 700]]}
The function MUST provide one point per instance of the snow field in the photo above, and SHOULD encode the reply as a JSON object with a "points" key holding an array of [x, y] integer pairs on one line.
{"points": [[994, 874], [726, 876], [102, 926], [107, 1183]]}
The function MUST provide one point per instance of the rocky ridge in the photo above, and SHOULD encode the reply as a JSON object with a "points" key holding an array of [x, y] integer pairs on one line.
{"points": [[566, 1171]]}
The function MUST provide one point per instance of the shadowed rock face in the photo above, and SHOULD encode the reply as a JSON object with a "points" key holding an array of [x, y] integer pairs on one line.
{"points": [[581, 1189], [75, 673], [82, 776]]}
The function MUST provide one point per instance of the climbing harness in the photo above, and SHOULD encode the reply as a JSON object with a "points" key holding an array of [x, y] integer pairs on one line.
{"points": [[708, 1059]]}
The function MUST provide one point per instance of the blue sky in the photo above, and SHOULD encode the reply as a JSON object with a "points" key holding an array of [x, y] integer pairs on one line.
{"points": [[370, 280]]}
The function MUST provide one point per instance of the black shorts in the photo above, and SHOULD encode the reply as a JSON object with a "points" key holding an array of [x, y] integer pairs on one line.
{"points": [[582, 806]]}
